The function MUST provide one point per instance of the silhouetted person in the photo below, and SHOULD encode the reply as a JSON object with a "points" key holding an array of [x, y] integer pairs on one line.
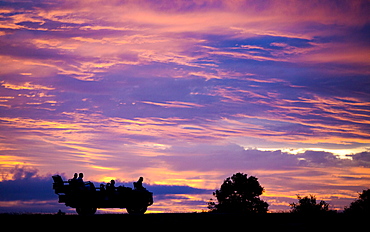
{"points": [[73, 181], [80, 177], [80, 181], [110, 186], [102, 188], [139, 184]]}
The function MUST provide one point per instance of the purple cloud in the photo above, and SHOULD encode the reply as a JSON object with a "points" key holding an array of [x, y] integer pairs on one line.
{"points": [[164, 88]]}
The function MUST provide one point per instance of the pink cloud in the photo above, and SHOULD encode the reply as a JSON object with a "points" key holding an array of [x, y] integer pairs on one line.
{"points": [[175, 90]]}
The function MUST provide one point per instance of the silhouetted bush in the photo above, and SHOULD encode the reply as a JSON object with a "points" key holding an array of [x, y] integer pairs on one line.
{"points": [[361, 205], [239, 194], [308, 205]]}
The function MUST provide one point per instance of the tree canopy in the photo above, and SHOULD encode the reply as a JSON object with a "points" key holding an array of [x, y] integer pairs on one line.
{"points": [[239, 194], [308, 205], [361, 205]]}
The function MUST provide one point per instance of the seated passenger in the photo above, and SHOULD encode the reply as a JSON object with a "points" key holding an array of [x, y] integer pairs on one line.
{"points": [[102, 187], [73, 181], [110, 186], [74, 177], [80, 177], [80, 182], [112, 183], [139, 184]]}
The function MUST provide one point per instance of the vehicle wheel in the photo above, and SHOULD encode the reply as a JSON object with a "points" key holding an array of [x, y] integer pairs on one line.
{"points": [[86, 210], [137, 210]]}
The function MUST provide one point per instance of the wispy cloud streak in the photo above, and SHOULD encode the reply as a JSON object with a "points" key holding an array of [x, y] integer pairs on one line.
{"points": [[188, 92]]}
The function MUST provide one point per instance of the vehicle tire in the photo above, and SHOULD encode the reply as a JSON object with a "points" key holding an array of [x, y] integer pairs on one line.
{"points": [[86, 211], [136, 210]]}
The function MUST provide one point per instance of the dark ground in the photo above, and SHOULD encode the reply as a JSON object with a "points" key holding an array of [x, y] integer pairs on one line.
{"points": [[185, 221]]}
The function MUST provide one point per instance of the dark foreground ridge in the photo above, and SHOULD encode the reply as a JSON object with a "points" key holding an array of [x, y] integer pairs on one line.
{"points": [[188, 221]]}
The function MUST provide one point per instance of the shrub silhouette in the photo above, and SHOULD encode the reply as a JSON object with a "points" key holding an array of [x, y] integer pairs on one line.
{"points": [[361, 205], [239, 194], [308, 205]]}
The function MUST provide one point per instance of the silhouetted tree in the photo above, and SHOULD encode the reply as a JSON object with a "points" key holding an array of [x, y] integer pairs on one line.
{"points": [[239, 194], [361, 205], [308, 205]]}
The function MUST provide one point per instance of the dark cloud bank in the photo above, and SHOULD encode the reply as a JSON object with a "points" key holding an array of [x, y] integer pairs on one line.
{"points": [[30, 192]]}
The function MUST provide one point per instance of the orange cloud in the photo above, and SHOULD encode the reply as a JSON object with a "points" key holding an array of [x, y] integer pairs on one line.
{"points": [[175, 104], [26, 85]]}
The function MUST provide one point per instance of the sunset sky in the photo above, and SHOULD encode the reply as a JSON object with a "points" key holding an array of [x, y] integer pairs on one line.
{"points": [[185, 93]]}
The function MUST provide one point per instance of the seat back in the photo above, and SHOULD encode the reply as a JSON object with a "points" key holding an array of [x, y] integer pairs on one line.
{"points": [[58, 184]]}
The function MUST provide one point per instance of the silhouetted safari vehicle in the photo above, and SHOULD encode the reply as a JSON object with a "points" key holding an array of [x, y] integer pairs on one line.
{"points": [[86, 198]]}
